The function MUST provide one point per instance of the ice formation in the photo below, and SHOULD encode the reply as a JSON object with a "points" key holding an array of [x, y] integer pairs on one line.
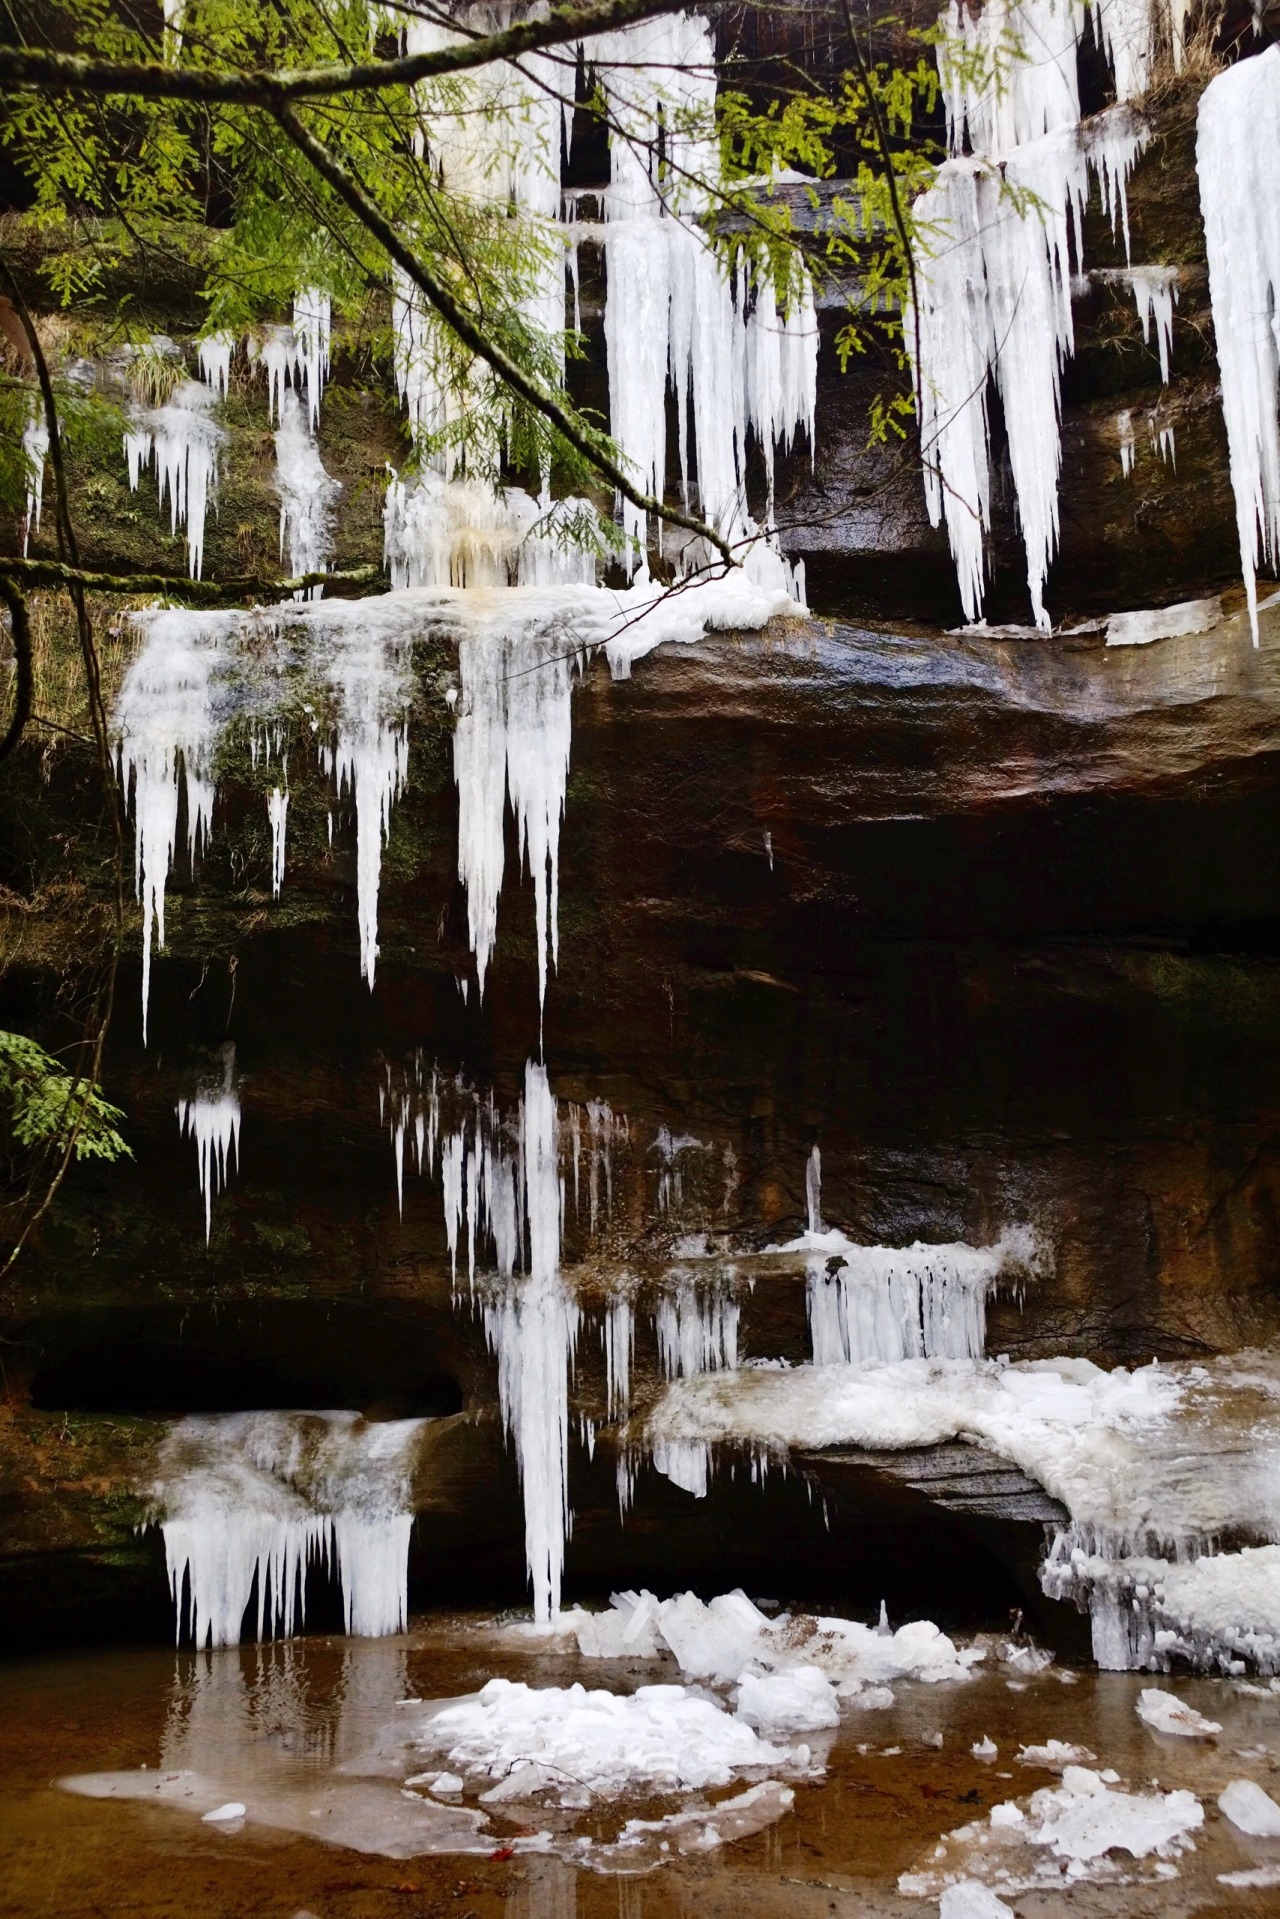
{"points": [[168, 719], [994, 292], [1165, 1712], [247, 1501], [182, 441], [307, 494], [277, 815], [35, 448], [1063, 1836], [512, 742], [697, 1327], [1238, 161], [884, 1303], [728, 1638], [1155, 289], [312, 329], [367, 673], [586, 1745], [214, 353], [532, 1325], [1153, 1466], [736, 362], [1250, 1809], [673, 318], [212, 1118]]}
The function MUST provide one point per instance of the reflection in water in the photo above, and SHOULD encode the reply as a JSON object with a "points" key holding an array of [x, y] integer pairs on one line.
{"points": [[550, 1891]]}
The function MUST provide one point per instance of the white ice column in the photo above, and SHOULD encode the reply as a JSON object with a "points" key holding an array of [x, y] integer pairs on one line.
{"points": [[1238, 160]]}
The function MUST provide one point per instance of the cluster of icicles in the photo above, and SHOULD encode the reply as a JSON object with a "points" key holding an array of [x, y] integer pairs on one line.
{"points": [[247, 1502], [1000, 225]]}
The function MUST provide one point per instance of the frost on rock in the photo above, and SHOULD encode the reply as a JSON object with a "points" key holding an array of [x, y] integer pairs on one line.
{"points": [[307, 494], [212, 1118], [182, 441], [247, 1501], [1238, 161]]}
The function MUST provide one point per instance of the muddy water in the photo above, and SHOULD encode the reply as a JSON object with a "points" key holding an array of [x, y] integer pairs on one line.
{"points": [[283, 1719]]}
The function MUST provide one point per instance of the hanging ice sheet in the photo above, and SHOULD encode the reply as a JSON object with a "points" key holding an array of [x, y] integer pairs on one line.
{"points": [[248, 1501], [1238, 161], [183, 442]]}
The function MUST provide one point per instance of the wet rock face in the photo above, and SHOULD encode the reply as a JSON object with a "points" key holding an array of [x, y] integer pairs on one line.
{"points": [[992, 923]]}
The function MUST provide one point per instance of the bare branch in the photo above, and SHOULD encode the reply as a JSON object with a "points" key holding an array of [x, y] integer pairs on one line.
{"points": [[24, 68], [20, 627]]}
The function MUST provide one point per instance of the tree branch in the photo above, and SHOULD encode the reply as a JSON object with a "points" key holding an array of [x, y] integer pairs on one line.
{"points": [[210, 593], [23, 68], [589, 444], [20, 627]]}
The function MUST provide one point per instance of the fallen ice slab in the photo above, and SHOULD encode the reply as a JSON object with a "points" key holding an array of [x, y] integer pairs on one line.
{"points": [[1250, 1809], [729, 1636], [800, 1700], [369, 1816], [1060, 1837], [1165, 1712], [659, 1738]]}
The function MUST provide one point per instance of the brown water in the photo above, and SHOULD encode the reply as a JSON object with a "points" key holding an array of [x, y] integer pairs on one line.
{"points": [[282, 1718]]}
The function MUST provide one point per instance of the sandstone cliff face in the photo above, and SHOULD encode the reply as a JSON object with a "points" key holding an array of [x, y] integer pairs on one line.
{"points": [[991, 921]]}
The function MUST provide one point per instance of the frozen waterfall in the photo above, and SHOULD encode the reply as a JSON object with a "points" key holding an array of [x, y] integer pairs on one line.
{"points": [[1238, 160], [248, 1502], [307, 493], [532, 1326], [1000, 228]]}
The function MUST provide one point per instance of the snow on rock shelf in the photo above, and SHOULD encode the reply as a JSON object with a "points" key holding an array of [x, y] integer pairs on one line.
{"points": [[1154, 1467], [247, 1501]]}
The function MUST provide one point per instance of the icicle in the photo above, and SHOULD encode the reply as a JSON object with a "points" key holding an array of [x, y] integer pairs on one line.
{"points": [[532, 1327], [813, 1190], [685, 1462], [169, 721], [618, 1331], [697, 1330], [277, 810], [35, 449], [247, 1498], [306, 493], [1238, 161], [312, 328], [881, 1304], [183, 442], [368, 674], [215, 352], [212, 1119], [1124, 427], [512, 739]]}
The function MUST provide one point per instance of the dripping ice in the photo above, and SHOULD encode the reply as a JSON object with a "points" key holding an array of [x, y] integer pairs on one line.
{"points": [[212, 1119], [1238, 162], [249, 1502]]}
